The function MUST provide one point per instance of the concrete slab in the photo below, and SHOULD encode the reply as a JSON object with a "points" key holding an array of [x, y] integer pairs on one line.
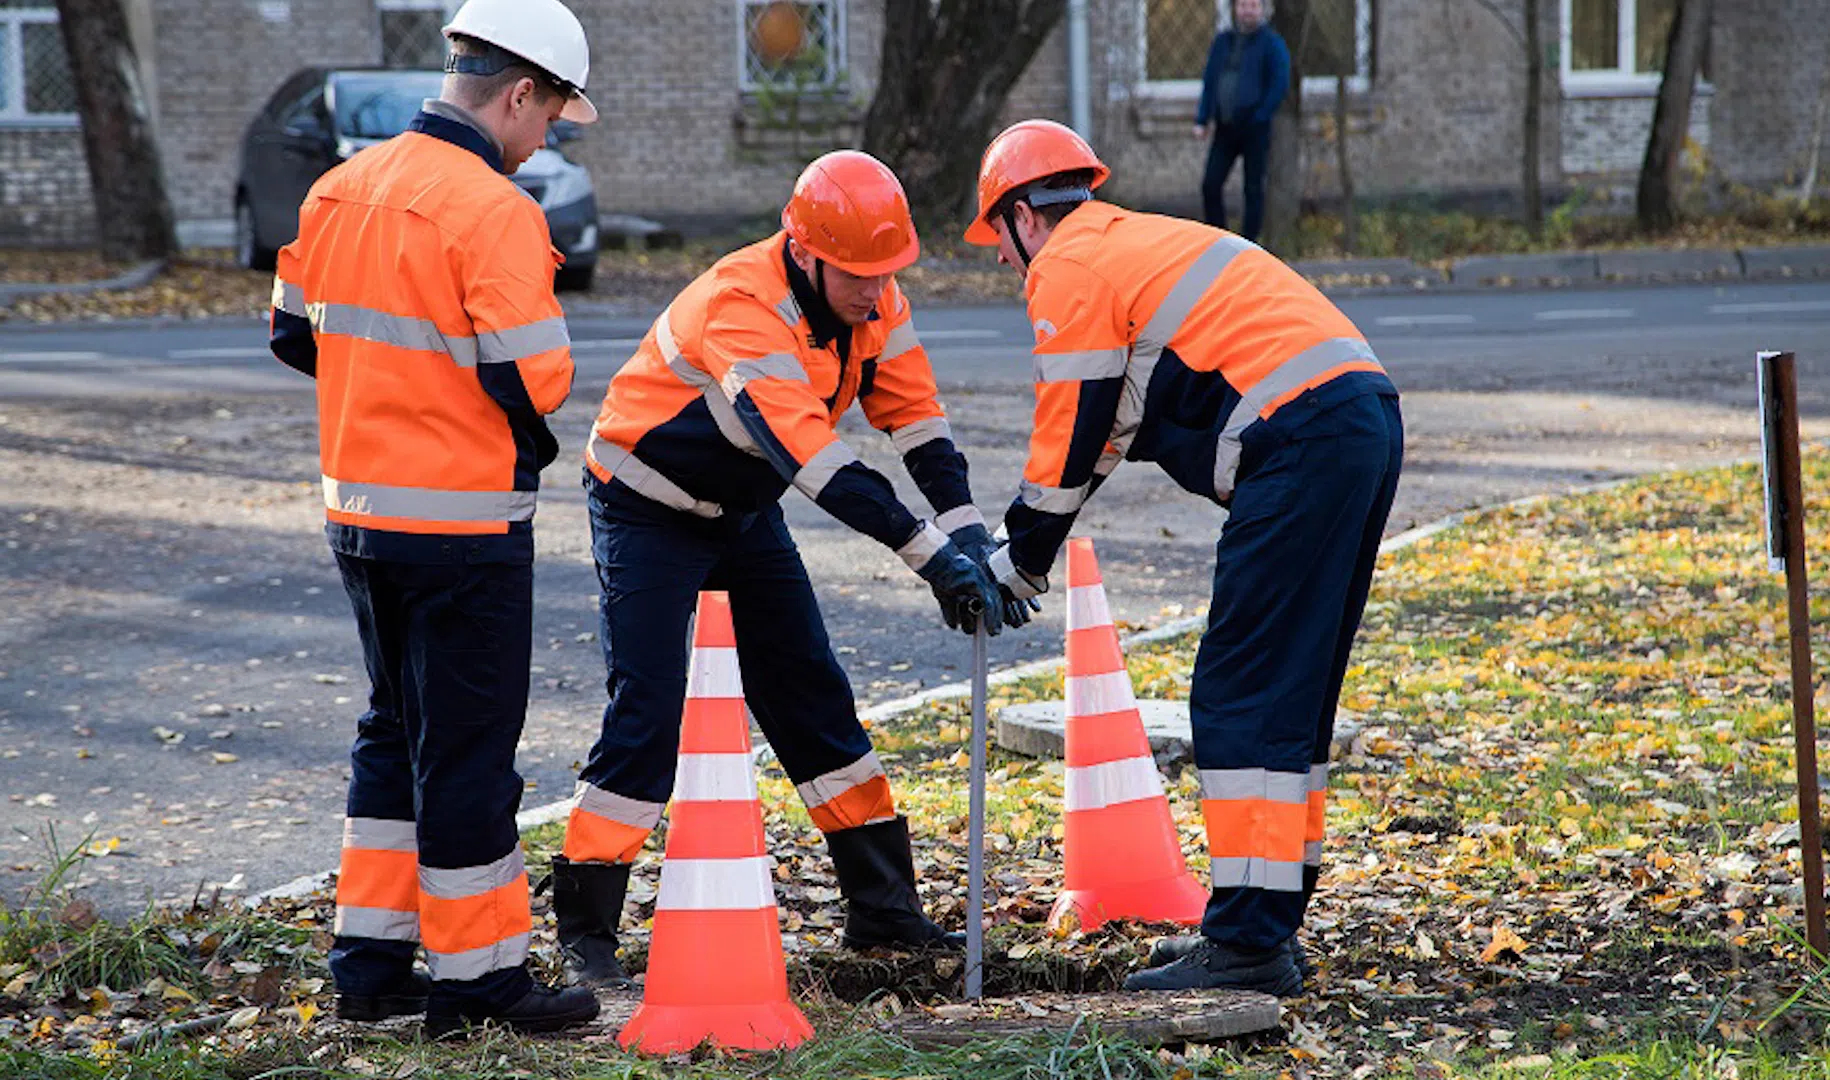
{"points": [[1785, 262], [1690, 265], [1039, 729], [1367, 272], [1148, 1018], [1554, 268]]}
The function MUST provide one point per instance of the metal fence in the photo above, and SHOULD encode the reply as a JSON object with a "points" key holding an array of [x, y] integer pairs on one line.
{"points": [[35, 80], [792, 44]]}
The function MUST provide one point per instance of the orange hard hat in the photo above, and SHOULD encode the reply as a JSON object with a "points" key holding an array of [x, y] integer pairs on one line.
{"points": [[1026, 152], [849, 209]]}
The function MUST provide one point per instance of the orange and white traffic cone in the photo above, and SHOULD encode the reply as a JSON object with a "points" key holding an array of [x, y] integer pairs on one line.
{"points": [[715, 967], [1124, 859]]}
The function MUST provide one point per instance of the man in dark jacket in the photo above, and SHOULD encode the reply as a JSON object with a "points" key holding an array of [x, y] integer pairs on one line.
{"points": [[1246, 77]]}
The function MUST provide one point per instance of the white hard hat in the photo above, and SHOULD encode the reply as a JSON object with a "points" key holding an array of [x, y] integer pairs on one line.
{"points": [[545, 33]]}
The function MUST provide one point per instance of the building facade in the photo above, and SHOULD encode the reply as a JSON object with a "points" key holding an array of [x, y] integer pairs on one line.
{"points": [[711, 106]]}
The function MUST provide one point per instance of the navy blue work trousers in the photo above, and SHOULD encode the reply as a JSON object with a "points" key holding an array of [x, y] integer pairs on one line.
{"points": [[1230, 143], [447, 649], [1292, 570]]}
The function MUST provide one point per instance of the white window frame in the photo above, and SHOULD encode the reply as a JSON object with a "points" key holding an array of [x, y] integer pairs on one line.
{"points": [[1615, 81], [12, 42], [447, 7], [1314, 86], [837, 70]]}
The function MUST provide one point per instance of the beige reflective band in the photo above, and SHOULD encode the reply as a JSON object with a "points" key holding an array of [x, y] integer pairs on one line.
{"points": [[380, 834], [1097, 695], [920, 433], [670, 348], [723, 414], [460, 967], [1312, 853], [712, 672], [635, 813], [523, 342], [772, 366], [1095, 787], [1005, 571], [400, 331], [789, 310], [384, 923], [1286, 378], [1236, 872], [427, 504], [714, 778], [924, 545], [471, 881], [825, 788], [903, 339], [1087, 608], [1080, 366], [822, 467], [958, 518], [289, 298], [1054, 500], [1163, 327], [715, 885], [1318, 777], [1230, 784], [636, 475]]}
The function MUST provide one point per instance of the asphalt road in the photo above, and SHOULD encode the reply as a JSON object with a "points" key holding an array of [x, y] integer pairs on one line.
{"points": [[161, 568]]}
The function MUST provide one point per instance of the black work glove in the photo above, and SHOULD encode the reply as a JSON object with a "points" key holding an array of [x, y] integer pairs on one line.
{"points": [[1018, 612], [976, 542], [965, 590]]}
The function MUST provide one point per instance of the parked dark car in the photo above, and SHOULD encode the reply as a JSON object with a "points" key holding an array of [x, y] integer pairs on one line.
{"points": [[322, 116]]}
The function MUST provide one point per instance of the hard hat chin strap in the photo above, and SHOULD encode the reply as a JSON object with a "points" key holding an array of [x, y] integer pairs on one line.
{"points": [[1036, 199], [496, 61]]}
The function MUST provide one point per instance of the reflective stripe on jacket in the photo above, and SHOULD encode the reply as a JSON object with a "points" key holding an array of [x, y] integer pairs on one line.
{"points": [[733, 395], [1159, 339], [426, 279]]}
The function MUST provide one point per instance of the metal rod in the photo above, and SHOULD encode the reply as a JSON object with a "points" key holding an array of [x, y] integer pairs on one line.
{"points": [[975, 846], [1784, 373]]}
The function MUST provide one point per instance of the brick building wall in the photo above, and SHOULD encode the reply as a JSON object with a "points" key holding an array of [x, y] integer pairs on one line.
{"points": [[1605, 137], [44, 188], [1769, 62]]}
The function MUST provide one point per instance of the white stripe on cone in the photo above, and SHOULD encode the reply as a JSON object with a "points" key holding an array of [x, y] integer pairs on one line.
{"points": [[715, 778], [1095, 787], [715, 885], [713, 673], [1087, 608], [1096, 695]]}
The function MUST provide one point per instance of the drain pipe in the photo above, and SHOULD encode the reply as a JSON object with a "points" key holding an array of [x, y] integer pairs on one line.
{"points": [[1080, 106]]}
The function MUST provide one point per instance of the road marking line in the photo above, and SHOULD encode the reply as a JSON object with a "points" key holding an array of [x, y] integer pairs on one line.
{"points": [[246, 352], [1770, 307], [607, 343], [48, 357], [959, 335], [1571, 314], [1423, 320]]}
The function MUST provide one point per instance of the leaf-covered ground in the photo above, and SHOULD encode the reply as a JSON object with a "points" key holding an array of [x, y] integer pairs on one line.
{"points": [[1564, 843]]}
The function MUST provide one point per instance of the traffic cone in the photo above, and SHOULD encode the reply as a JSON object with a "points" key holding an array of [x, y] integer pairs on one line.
{"points": [[715, 966], [1124, 859]]}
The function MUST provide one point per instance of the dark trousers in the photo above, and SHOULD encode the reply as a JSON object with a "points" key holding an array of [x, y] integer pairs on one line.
{"points": [[1291, 574], [447, 649], [1231, 142], [652, 563]]}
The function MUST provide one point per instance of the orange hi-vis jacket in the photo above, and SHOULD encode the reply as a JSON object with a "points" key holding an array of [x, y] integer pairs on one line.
{"points": [[737, 389], [1159, 339], [420, 294]]}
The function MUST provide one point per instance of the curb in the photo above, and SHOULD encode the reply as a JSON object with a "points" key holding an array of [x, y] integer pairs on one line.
{"points": [[556, 811], [132, 278], [1567, 269]]}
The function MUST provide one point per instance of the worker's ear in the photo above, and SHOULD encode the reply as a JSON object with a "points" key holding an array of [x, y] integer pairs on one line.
{"points": [[524, 95], [801, 256]]}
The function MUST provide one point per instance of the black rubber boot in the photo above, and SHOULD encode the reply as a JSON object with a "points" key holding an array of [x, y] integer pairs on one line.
{"points": [[407, 999], [1211, 965], [876, 871], [587, 905], [1167, 950], [543, 1008]]}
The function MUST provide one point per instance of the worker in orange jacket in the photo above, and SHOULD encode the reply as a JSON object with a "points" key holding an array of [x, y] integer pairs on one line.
{"points": [[1164, 340], [732, 398], [420, 295]]}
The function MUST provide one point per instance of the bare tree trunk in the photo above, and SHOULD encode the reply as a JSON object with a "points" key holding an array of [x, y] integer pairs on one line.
{"points": [[1283, 188], [948, 66], [1350, 216], [1532, 163], [1809, 187], [1658, 174], [132, 211]]}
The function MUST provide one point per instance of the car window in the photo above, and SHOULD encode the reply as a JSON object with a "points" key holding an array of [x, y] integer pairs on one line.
{"points": [[380, 104], [306, 112], [288, 95]]}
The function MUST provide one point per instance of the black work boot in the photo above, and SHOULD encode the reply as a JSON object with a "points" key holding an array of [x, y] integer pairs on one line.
{"points": [[406, 999], [876, 871], [1211, 965], [587, 905], [542, 1008], [1167, 950]]}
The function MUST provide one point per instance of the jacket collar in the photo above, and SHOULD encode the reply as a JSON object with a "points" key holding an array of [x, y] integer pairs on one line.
{"points": [[826, 325], [455, 125]]}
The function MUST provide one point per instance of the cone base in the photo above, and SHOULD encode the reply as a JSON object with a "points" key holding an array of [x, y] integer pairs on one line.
{"points": [[1178, 899], [674, 1029]]}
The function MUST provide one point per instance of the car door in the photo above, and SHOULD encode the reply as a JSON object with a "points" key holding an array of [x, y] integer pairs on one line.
{"points": [[304, 148], [263, 156]]}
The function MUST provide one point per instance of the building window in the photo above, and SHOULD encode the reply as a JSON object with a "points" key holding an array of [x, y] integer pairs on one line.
{"points": [[412, 32], [1616, 43], [1338, 40], [790, 44], [35, 82]]}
